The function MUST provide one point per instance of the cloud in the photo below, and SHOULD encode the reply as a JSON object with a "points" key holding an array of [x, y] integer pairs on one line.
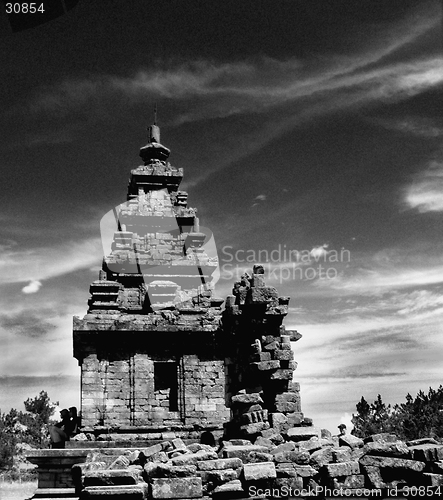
{"points": [[47, 262], [320, 251], [425, 193], [32, 287], [28, 323], [261, 197]]}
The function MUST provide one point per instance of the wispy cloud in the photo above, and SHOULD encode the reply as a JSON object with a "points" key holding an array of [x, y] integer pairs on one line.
{"points": [[425, 193], [42, 263]]}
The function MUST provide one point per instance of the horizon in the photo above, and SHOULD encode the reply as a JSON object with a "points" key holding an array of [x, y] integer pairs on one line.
{"points": [[308, 126]]}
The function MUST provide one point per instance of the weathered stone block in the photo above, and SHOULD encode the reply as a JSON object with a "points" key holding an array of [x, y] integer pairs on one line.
{"points": [[303, 433], [193, 458], [296, 456], [342, 469], [167, 470], [381, 437], [261, 441], [267, 365], [261, 295], [260, 470], [230, 487], [220, 464], [110, 477], [258, 456], [282, 374], [289, 446], [284, 355], [350, 440], [186, 487], [354, 481], [305, 471], [247, 398], [311, 445], [426, 452], [250, 429], [119, 492], [392, 449], [284, 484], [242, 451], [289, 397], [321, 457], [392, 463], [341, 454], [285, 470], [277, 421], [374, 476], [222, 476]]}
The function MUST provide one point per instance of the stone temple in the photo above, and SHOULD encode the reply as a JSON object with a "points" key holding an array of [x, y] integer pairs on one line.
{"points": [[158, 351], [185, 395]]}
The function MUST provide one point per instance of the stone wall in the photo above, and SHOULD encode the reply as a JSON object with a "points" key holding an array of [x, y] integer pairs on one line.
{"points": [[142, 389]]}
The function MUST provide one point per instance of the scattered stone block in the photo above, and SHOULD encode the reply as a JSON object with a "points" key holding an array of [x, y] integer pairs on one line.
{"points": [[321, 457], [303, 433], [341, 454], [374, 476], [242, 451], [311, 445], [342, 469], [110, 477], [305, 471], [193, 458], [119, 492], [350, 440], [250, 429], [392, 463], [222, 476], [220, 464], [230, 487], [186, 487], [288, 484], [168, 470], [382, 448], [247, 398], [288, 446], [381, 437], [296, 456], [261, 441], [426, 452], [354, 481], [286, 470], [258, 456], [258, 471]]}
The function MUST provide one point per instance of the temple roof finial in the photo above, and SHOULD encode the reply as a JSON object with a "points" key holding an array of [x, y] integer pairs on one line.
{"points": [[154, 150], [154, 130]]}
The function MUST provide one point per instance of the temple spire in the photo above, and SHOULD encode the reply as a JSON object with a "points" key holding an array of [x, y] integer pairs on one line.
{"points": [[154, 130]]}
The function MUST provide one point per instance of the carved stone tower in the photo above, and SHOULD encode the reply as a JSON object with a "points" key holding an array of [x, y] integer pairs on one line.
{"points": [[157, 352]]}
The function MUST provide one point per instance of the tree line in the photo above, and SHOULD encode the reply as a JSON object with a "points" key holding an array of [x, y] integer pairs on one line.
{"points": [[416, 418], [29, 427]]}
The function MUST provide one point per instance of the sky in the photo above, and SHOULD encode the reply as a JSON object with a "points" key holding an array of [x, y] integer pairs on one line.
{"points": [[310, 133]]}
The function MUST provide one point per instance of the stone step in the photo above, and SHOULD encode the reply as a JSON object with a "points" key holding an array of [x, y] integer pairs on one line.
{"points": [[54, 493]]}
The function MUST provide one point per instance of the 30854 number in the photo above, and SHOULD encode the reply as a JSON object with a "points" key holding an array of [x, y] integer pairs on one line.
{"points": [[24, 8]]}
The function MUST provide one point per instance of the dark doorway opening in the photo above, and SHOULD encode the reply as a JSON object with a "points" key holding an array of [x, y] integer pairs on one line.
{"points": [[165, 378]]}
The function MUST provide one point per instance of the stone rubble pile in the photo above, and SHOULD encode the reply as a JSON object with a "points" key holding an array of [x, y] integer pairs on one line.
{"points": [[299, 461]]}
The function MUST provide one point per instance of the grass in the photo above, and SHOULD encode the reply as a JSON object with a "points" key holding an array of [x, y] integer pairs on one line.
{"points": [[16, 490]]}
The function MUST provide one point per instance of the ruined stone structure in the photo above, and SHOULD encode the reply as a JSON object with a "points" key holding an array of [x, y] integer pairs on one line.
{"points": [[157, 350], [162, 361]]}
